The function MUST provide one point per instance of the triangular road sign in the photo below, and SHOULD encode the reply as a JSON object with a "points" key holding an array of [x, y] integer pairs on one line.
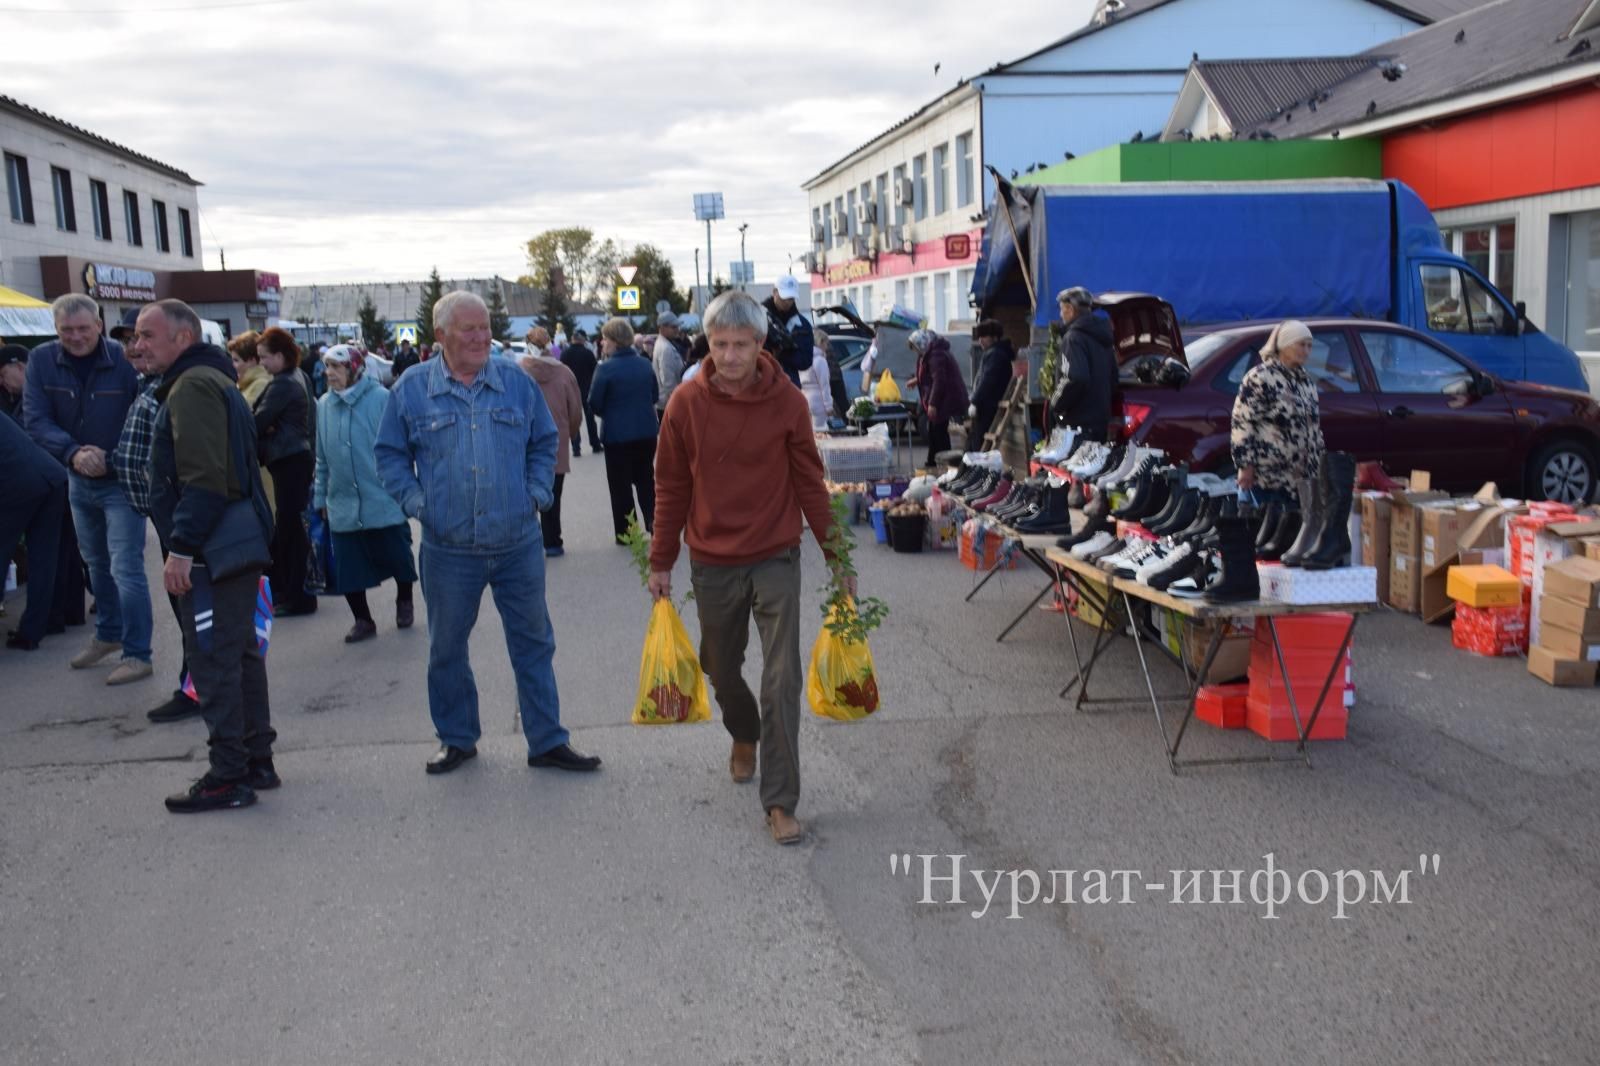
{"points": [[626, 273]]}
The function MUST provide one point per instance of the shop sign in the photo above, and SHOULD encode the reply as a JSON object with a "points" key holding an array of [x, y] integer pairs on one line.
{"points": [[851, 271], [267, 286], [256, 310], [958, 246], [106, 282]]}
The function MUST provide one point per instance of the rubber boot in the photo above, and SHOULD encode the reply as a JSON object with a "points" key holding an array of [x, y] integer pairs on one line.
{"points": [[1311, 520], [1333, 546], [1236, 580]]}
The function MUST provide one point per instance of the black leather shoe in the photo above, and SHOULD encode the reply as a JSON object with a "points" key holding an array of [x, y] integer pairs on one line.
{"points": [[175, 709], [562, 757], [448, 757], [19, 642], [262, 776], [209, 794]]}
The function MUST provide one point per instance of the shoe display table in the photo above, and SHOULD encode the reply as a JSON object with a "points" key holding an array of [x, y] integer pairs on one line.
{"points": [[1032, 546], [1101, 590]]}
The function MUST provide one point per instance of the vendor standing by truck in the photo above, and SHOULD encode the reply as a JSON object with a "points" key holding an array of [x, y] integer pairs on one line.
{"points": [[1088, 370]]}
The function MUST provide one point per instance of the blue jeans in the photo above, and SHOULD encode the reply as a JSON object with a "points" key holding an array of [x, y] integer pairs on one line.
{"points": [[111, 539], [452, 584]]}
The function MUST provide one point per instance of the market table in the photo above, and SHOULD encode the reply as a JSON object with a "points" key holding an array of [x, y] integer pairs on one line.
{"points": [[894, 420], [1032, 546], [1194, 612]]}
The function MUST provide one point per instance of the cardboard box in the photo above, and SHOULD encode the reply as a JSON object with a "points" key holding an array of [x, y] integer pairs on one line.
{"points": [[1571, 615], [1232, 661], [1490, 631], [1441, 527], [1563, 673], [1405, 548], [1591, 548], [1374, 541], [1574, 579], [1568, 643], [1484, 586]]}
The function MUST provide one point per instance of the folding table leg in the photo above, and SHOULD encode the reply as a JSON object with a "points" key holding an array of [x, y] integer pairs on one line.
{"points": [[993, 570], [1149, 682], [1026, 611], [1327, 682], [1103, 606], [1194, 683], [1100, 635]]}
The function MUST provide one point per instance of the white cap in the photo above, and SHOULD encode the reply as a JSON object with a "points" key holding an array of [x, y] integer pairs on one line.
{"points": [[787, 288]]}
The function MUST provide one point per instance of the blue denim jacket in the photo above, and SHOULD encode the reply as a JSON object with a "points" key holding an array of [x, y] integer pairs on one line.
{"points": [[473, 464]]}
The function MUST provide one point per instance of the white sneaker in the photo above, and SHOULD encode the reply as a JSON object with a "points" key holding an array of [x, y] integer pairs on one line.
{"points": [[1062, 447], [1159, 562], [1091, 462], [1095, 543], [1081, 454]]}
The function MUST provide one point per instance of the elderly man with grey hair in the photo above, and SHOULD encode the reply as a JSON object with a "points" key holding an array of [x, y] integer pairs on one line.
{"points": [[667, 356], [467, 447], [75, 398]]}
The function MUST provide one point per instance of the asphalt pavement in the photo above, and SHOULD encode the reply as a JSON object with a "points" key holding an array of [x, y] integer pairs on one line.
{"points": [[368, 913]]}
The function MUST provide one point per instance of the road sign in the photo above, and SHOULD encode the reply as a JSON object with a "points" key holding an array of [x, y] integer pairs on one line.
{"points": [[627, 298], [626, 273]]}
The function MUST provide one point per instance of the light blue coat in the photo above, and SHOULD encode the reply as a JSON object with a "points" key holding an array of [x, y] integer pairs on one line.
{"points": [[347, 463]]}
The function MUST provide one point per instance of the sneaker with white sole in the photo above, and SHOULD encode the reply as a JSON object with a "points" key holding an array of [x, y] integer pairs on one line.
{"points": [[96, 651], [129, 670], [1099, 542]]}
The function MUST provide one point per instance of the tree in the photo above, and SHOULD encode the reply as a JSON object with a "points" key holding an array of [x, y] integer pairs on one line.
{"points": [[572, 256], [499, 320], [719, 286], [432, 291], [654, 279], [375, 331], [556, 316]]}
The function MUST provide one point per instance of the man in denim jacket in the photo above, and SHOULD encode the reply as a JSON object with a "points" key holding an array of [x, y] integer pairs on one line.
{"points": [[467, 447]]}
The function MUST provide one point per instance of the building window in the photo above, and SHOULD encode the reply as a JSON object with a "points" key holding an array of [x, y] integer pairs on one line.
{"points": [[964, 289], [850, 213], [866, 200], [941, 301], [66, 216], [20, 188], [827, 225], [964, 170], [919, 186], [900, 294], [817, 232], [883, 201], [100, 207], [919, 296], [941, 184], [866, 310], [130, 218], [899, 195], [185, 234], [1583, 281], [158, 214], [1491, 248], [841, 222]]}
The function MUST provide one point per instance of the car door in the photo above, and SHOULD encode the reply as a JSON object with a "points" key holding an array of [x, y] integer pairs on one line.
{"points": [[1434, 416], [1351, 419], [1461, 311]]}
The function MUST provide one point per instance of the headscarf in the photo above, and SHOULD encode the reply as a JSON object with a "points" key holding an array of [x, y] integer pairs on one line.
{"points": [[347, 355], [1291, 331]]}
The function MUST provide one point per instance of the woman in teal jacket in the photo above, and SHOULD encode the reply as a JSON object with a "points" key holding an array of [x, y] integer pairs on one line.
{"points": [[371, 537]]}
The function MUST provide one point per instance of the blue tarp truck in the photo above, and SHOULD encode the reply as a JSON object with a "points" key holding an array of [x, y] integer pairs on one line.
{"points": [[1231, 251]]}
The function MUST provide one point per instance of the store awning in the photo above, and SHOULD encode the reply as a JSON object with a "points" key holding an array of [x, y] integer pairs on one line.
{"points": [[23, 316]]}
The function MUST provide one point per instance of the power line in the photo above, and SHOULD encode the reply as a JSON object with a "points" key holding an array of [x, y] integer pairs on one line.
{"points": [[144, 10]]}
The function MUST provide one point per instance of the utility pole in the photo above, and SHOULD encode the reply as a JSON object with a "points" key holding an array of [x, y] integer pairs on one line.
{"points": [[742, 227], [697, 279]]}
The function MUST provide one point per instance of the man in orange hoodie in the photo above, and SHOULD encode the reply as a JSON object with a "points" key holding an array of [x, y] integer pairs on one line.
{"points": [[736, 467]]}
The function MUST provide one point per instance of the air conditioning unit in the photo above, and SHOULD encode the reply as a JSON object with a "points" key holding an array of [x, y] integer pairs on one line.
{"points": [[905, 192], [819, 235], [866, 214], [861, 247], [841, 225], [813, 263], [893, 237]]}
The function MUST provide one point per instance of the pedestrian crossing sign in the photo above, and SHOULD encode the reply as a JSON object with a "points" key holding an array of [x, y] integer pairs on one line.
{"points": [[627, 297]]}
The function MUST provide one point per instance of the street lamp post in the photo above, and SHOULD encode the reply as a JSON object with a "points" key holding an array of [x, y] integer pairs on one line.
{"points": [[742, 227], [708, 209]]}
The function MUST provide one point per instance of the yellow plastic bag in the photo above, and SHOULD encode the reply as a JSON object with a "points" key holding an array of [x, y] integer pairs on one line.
{"points": [[672, 689], [842, 684], [886, 391]]}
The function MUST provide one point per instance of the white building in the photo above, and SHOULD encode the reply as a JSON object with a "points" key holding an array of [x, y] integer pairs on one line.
{"points": [[898, 220]]}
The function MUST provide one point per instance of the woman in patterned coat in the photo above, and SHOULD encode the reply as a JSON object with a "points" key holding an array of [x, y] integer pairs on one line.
{"points": [[1277, 426]]}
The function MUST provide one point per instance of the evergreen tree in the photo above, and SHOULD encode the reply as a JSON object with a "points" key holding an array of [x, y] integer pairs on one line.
{"points": [[375, 331], [499, 320], [432, 291]]}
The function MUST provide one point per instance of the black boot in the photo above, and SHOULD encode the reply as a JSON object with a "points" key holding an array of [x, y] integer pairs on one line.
{"points": [[1311, 520], [1282, 537], [1270, 515], [1092, 524], [1236, 579], [1333, 546], [1185, 505], [1053, 515], [1176, 479]]}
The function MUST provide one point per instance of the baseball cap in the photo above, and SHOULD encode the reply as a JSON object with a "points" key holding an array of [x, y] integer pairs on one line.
{"points": [[788, 288], [666, 318], [13, 353], [126, 326]]}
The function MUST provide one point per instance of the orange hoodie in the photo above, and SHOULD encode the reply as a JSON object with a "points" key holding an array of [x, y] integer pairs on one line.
{"points": [[734, 473]]}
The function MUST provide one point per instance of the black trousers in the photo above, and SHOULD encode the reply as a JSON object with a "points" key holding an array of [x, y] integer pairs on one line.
{"points": [[594, 434], [291, 489], [938, 439], [39, 519], [230, 675], [177, 612], [550, 521], [631, 471], [72, 579]]}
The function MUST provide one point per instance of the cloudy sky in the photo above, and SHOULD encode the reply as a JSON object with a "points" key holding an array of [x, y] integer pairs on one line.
{"points": [[344, 140]]}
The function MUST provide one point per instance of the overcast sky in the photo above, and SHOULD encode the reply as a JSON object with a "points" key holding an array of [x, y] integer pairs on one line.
{"points": [[346, 140]]}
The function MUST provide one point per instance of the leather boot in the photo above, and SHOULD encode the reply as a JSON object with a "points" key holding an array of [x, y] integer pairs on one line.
{"points": [[1333, 546], [742, 762], [1236, 579], [1092, 523], [1076, 498], [1271, 514], [1053, 515], [1282, 537], [1311, 519], [1186, 504]]}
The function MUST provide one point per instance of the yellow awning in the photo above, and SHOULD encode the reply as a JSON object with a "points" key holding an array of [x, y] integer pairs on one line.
{"points": [[13, 298]]}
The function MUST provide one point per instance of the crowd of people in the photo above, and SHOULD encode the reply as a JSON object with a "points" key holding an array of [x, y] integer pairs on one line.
{"points": [[232, 456]]}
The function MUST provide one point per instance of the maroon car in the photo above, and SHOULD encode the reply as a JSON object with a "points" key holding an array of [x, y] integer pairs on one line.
{"points": [[1388, 394]]}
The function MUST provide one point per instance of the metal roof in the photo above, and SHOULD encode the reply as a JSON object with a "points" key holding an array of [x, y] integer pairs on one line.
{"points": [[1489, 46], [33, 114], [1250, 91]]}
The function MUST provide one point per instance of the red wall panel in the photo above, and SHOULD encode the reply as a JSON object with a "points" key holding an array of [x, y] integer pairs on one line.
{"points": [[1523, 149]]}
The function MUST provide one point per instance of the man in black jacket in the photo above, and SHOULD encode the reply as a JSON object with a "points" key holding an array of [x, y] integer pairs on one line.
{"points": [[202, 461], [580, 359], [34, 488], [994, 376], [789, 337], [1088, 368]]}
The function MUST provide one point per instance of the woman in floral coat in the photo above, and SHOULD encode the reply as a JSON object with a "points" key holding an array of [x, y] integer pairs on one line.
{"points": [[1277, 426]]}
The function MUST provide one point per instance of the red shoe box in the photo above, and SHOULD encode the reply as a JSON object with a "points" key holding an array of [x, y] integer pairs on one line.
{"points": [[1222, 705], [1275, 723], [1522, 531], [1490, 631], [1309, 643]]}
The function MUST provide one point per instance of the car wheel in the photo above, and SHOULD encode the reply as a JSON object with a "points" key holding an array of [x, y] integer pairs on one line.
{"points": [[1563, 471]]}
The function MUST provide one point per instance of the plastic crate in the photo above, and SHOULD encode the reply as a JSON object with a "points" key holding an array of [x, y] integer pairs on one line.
{"points": [[854, 459]]}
